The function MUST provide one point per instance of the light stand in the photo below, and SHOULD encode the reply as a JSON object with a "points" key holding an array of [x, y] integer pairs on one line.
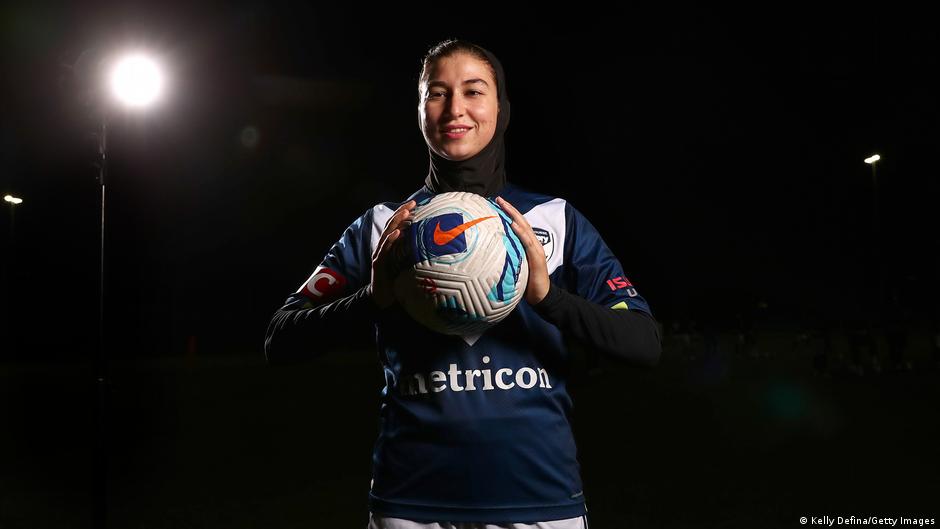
{"points": [[135, 82], [101, 360]]}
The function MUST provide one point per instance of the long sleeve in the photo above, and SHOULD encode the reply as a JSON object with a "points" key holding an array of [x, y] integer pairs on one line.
{"points": [[333, 306], [629, 335], [299, 332]]}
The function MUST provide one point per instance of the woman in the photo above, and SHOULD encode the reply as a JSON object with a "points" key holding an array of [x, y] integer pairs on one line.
{"points": [[450, 451]]}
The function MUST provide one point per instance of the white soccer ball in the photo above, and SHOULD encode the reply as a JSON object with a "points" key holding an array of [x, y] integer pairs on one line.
{"points": [[466, 269]]}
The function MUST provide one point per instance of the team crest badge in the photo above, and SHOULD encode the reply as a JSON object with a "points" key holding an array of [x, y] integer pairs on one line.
{"points": [[548, 242]]}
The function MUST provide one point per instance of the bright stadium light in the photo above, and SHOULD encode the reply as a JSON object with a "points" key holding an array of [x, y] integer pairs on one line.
{"points": [[872, 159], [136, 80], [13, 200], [107, 85]]}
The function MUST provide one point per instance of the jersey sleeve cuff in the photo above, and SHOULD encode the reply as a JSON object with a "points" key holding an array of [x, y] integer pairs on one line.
{"points": [[554, 300]]}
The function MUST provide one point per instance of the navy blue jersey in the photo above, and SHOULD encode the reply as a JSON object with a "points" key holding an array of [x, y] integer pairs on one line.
{"points": [[476, 428]]}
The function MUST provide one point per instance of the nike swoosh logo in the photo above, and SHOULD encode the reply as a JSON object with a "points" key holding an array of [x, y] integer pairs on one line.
{"points": [[442, 237]]}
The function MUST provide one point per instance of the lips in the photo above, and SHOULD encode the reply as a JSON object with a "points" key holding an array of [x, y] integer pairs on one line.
{"points": [[455, 132]]}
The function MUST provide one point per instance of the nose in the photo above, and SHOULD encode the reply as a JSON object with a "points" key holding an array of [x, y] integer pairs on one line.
{"points": [[455, 106]]}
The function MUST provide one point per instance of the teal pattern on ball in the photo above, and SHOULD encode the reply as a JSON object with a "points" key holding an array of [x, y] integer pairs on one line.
{"points": [[505, 289]]}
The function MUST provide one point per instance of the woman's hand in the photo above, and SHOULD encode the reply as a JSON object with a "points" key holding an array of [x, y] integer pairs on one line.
{"points": [[537, 287], [383, 259]]}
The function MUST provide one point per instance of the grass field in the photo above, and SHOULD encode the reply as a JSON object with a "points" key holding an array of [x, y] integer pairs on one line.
{"points": [[231, 443]]}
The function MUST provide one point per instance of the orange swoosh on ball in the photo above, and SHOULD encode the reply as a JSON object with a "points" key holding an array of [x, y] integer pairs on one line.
{"points": [[442, 237]]}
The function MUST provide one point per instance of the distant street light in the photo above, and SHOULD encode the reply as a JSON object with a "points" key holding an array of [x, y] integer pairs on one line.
{"points": [[13, 201], [872, 159]]}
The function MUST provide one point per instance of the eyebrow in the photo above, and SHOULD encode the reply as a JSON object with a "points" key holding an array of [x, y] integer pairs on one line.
{"points": [[468, 81]]}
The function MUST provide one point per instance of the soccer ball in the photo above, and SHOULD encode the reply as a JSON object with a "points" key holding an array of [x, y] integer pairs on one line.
{"points": [[466, 269]]}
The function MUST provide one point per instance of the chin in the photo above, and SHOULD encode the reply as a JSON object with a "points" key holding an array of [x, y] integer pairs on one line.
{"points": [[457, 155]]}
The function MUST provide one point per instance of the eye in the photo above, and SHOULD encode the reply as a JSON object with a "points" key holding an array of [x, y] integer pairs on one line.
{"points": [[477, 92]]}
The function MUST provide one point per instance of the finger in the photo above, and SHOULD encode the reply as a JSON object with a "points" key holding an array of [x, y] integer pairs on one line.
{"points": [[530, 241], [393, 249], [533, 246], [401, 225], [393, 256], [505, 204], [389, 228], [526, 236], [407, 206], [382, 250], [507, 207], [380, 243], [397, 252], [400, 219], [513, 212], [519, 223]]}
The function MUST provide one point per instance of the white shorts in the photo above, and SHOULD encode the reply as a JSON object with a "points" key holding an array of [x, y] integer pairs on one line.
{"points": [[381, 522]]}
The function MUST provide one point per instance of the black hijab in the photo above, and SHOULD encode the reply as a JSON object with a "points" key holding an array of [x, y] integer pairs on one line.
{"points": [[485, 172]]}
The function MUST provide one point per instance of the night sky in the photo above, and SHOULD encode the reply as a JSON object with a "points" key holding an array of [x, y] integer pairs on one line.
{"points": [[719, 154]]}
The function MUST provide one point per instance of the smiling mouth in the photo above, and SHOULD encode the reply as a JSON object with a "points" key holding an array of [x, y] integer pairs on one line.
{"points": [[455, 133]]}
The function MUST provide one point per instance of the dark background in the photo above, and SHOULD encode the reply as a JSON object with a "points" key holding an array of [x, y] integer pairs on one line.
{"points": [[719, 154]]}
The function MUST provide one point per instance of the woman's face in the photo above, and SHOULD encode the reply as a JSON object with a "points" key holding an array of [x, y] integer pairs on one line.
{"points": [[460, 92]]}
